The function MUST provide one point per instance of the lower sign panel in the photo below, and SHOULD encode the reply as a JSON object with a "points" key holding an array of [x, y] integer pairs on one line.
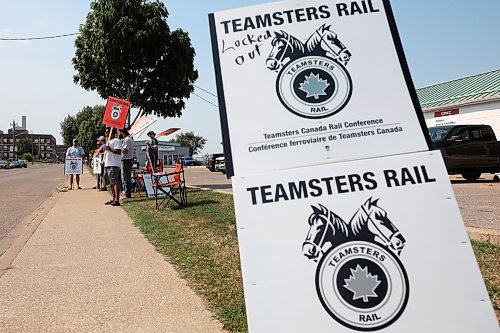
{"points": [[370, 245]]}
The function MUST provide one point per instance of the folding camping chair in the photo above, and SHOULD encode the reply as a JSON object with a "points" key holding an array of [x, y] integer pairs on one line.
{"points": [[174, 188], [139, 180]]}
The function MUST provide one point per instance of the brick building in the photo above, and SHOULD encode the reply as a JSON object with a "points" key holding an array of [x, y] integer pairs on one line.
{"points": [[45, 143]]}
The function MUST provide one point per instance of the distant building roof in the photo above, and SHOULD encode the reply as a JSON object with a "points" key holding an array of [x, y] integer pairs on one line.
{"points": [[468, 90]]}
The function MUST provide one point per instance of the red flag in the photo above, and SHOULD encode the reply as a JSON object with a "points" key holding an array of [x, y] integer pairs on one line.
{"points": [[116, 113], [168, 132]]}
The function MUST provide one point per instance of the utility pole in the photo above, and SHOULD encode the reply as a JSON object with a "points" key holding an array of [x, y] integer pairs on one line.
{"points": [[32, 150], [13, 140]]}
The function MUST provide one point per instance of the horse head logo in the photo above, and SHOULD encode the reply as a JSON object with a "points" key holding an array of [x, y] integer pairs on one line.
{"points": [[326, 229], [285, 48], [325, 42], [371, 223]]}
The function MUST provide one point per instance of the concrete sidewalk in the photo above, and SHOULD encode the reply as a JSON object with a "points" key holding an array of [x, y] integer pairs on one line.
{"points": [[87, 268]]}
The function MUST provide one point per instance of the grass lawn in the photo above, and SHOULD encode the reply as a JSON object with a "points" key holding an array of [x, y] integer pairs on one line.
{"points": [[200, 240]]}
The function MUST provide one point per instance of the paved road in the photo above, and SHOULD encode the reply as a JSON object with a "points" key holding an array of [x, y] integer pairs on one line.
{"points": [[24, 190], [202, 177], [479, 202]]}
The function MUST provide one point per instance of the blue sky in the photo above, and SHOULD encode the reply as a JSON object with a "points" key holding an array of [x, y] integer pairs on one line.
{"points": [[442, 40]]}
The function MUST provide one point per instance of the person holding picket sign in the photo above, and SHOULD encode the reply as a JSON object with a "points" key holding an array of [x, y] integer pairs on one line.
{"points": [[75, 151], [112, 164]]}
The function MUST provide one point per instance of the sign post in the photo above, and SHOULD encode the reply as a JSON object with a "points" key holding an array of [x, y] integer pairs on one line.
{"points": [[346, 221]]}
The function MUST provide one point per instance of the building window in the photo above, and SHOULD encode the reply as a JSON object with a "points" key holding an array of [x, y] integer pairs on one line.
{"points": [[10, 140]]}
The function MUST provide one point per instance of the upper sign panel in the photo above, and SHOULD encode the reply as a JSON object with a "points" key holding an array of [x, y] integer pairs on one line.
{"points": [[311, 83]]}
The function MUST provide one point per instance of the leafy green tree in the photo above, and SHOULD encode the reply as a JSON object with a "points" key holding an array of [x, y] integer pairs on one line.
{"points": [[69, 129], [27, 157], [86, 126], [24, 145], [126, 49], [189, 139], [90, 126]]}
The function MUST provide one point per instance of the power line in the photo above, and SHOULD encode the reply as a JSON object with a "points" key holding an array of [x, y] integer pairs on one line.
{"points": [[38, 38], [205, 100], [208, 92]]}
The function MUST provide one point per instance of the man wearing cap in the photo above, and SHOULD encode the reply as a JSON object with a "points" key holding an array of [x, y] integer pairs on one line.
{"points": [[127, 161], [75, 151], [112, 164], [152, 149]]}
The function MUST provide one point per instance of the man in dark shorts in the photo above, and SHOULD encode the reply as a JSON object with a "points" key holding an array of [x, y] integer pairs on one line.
{"points": [[112, 164]]}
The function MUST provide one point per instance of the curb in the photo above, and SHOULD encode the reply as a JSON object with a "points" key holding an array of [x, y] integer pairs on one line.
{"points": [[484, 235]]}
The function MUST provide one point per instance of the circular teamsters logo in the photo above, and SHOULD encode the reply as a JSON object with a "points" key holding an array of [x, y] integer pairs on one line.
{"points": [[116, 111], [314, 86], [362, 285], [73, 165]]}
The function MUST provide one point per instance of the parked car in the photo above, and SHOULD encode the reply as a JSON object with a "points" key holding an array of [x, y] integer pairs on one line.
{"points": [[4, 165], [211, 161], [468, 150], [15, 164], [220, 164], [23, 163], [188, 161]]}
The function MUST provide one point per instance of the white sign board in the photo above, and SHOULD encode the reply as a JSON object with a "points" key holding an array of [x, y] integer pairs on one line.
{"points": [[96, 163], [148, 183], [307, 82], [370, 245], [73, 166]]}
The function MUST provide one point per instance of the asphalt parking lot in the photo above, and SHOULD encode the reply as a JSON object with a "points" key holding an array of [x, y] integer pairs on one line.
{"points": [[479, 201]]}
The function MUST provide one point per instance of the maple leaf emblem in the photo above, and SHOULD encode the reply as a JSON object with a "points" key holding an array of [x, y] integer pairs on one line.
{"points": [[314, 86], [362, 283]]}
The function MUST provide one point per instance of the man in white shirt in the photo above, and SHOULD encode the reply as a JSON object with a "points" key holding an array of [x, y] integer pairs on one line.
{"points": [[112, 163]]}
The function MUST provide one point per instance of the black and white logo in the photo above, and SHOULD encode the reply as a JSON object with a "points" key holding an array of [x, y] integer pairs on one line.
{"points": [[360, 280], [312, 81], [73, 165], [116, 110]]}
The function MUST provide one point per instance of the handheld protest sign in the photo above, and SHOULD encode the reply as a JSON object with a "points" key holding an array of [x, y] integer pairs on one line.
{"points": [[167, 132], [373, 245], [116, 113], [96, 164], [141, 125], [73, 166], [308, 82]]}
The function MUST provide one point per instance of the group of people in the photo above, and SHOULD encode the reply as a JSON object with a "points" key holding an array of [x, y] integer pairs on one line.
{"points": [[117, 156]]}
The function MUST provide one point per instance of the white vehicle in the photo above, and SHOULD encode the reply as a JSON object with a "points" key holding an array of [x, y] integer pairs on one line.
{"points": [[220, 164]]}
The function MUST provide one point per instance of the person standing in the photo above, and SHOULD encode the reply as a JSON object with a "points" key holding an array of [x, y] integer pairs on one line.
{"points": [[127, 161], [152, 149], [112, 164], [75, 151]]}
